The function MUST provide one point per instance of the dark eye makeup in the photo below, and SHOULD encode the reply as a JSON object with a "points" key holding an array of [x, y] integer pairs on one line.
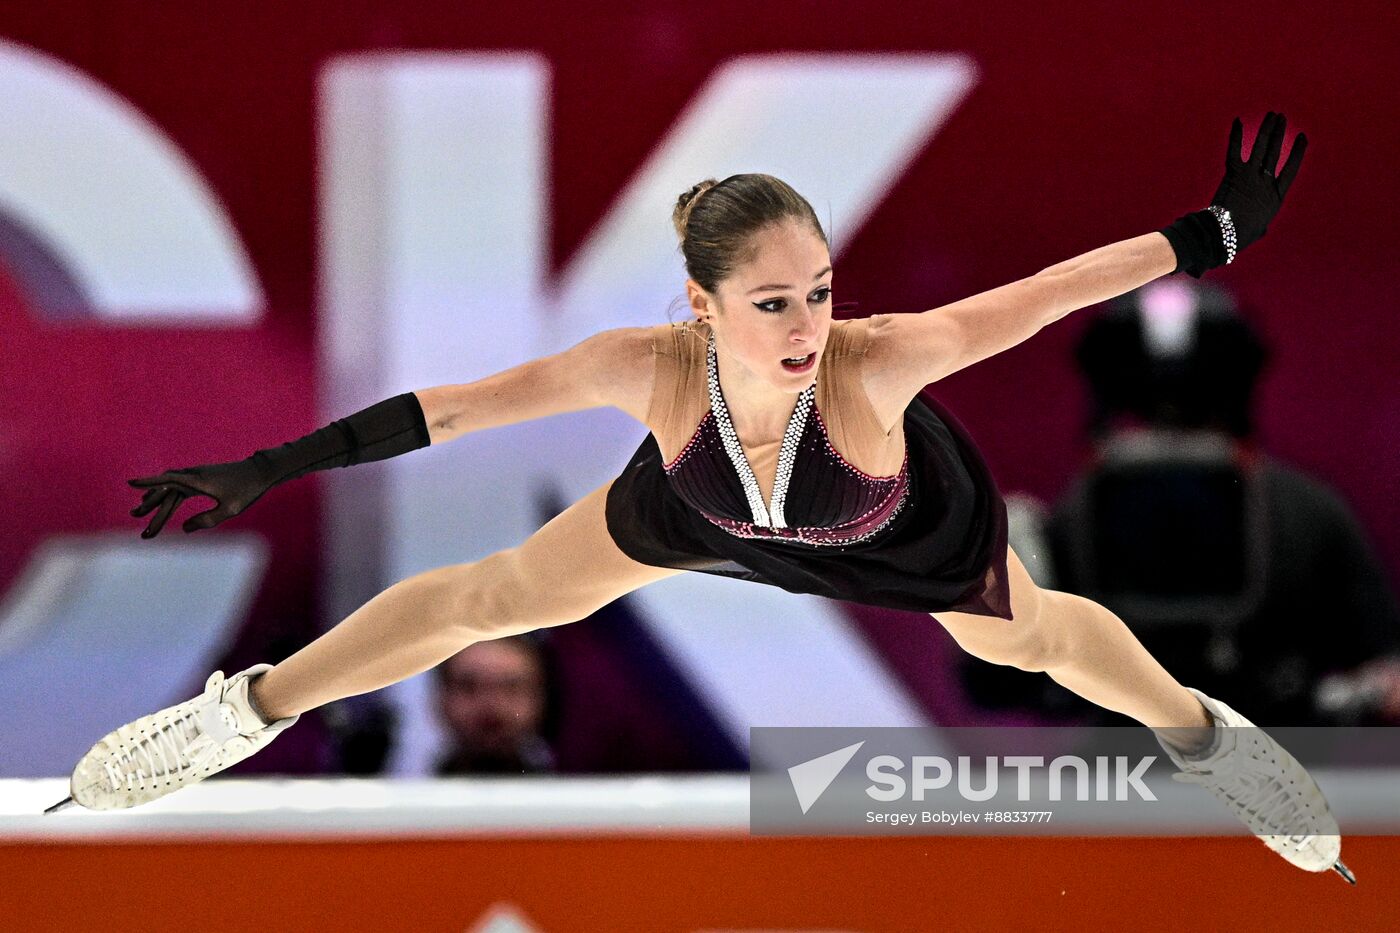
{"points": [[778, 305]]}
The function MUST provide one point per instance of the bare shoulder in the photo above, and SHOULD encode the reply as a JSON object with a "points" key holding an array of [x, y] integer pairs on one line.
{"points": [[899, 353], [619, 367]]}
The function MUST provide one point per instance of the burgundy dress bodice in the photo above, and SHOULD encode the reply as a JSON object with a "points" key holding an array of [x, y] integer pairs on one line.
{"points": [[818, 497]]}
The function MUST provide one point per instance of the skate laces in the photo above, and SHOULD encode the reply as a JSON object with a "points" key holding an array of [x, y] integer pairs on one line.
{"points": [[1259, 788], [186, 743]]}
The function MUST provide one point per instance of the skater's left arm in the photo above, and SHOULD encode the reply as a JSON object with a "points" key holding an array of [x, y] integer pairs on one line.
{"points": [[927, 346], [912, 350]]}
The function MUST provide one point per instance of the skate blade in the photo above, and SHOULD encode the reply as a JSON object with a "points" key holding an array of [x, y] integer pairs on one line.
{"points": [[1341, 869], [67, 802]]}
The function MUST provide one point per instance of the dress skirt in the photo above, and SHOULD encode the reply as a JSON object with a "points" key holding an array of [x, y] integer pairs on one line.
{"points": [[945, 550]]}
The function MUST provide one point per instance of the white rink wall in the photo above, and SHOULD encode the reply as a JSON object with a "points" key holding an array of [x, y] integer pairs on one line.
{"points": [[1364, 801]]}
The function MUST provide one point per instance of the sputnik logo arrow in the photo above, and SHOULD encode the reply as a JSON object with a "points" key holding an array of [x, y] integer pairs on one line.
{"points": [[810, 779]]}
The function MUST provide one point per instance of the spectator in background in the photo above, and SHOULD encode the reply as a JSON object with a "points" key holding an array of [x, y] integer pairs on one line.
{"points": [[494, 699], [1230, 566]]}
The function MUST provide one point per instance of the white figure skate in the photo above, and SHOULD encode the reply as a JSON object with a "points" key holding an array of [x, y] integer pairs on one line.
{"points": [[178, 746], [1267, 788]]}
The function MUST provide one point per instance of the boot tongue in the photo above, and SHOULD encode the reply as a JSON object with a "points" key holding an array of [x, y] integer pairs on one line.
{"points": [[217, 722], [237, 700], [1210, 758]]}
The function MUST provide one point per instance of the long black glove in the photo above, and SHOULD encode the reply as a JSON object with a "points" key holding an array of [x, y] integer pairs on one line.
{"points": [[386, 429], [1250, 191]]}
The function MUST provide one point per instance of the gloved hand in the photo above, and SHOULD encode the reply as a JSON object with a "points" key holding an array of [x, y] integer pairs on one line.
{"points": [[1251, 191], [232, 486], [386, 429]]}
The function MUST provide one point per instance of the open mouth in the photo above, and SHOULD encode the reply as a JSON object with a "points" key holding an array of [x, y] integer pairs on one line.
{"points": [[800, 364]]}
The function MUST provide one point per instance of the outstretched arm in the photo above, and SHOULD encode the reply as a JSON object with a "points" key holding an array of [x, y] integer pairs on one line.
{"points": [[916, 349], [923, 348], [613, 367]]}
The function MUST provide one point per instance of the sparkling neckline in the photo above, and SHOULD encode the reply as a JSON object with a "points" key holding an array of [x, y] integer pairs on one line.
{"points": [[763, 515]]}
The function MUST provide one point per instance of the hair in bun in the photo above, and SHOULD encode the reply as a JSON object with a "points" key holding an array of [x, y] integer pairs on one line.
{"points": [[715, 221], [686, 203]]}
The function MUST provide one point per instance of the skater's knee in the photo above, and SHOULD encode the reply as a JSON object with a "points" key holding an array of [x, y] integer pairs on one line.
{"points": [[1038, 652], [498, 596], [1031, 641], [1032, 649], [490, 600], [506, 594], [1061, 619]]}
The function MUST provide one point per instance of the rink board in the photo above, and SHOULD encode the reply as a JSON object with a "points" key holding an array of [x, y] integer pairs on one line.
{"points": [[624, 855]]}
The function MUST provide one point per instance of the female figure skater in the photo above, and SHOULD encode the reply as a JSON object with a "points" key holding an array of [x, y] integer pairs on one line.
{"points": [[785, 448]]}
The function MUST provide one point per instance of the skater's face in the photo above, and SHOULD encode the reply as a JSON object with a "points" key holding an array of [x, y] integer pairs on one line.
{"points": [[492, 696], [775, 305]]}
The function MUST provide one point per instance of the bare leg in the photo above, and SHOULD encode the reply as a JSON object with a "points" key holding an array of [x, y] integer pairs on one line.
{"points": [[1089, 650], [1084, 648], [565, 571]]}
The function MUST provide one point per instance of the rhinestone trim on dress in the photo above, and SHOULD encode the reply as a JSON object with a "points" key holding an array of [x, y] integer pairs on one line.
{"points": [[787, 453], [816, 537]]}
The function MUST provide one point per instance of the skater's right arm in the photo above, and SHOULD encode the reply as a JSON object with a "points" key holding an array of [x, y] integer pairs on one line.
{"points": [[610, 368]]}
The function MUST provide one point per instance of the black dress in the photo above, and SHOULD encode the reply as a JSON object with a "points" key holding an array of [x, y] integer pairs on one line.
{"points": [[945, 548]]}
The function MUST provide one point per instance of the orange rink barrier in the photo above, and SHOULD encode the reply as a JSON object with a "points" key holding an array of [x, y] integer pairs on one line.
{"points": [[649, 885], [651, 854]]}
